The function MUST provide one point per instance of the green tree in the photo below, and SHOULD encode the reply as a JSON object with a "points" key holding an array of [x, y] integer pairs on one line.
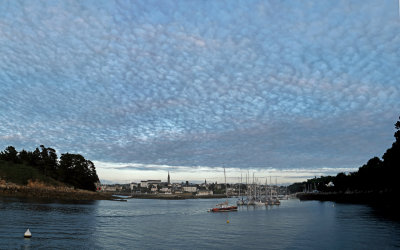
{"points": [[391, 161], [10, 154], [48, 161], [74, 169]]}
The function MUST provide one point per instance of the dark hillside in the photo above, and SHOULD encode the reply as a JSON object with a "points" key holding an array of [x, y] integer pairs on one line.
{"points": [[20, 173], [44, 166], [376, 176]]}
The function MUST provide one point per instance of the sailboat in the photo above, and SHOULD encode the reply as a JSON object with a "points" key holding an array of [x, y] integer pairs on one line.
{"points": [[252, 194], [275, 200], [266, 202], [240, 201], [224, 207]]}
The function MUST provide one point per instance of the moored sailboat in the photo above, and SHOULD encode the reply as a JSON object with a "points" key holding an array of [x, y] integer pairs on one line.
{"points": [[240, 201]]}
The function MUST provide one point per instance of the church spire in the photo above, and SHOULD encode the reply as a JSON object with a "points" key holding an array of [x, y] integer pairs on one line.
{"points": [[169, 179]]}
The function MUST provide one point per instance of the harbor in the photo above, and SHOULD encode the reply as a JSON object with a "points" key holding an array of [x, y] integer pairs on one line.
{"points": [[255, 190], [256, 194]]}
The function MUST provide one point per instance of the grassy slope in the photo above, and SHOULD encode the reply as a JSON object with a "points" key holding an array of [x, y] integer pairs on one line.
{"points": [[21, 173], [41, 186]]}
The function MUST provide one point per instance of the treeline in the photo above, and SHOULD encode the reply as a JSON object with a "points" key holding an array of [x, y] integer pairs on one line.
{"points": [[377, 175], [71, 169]]}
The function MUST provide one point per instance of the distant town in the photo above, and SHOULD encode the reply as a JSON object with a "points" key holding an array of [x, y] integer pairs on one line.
{"points": [[169, 188]]}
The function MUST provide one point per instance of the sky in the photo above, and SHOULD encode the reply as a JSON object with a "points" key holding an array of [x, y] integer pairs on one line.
{"points": [[291, 89]]}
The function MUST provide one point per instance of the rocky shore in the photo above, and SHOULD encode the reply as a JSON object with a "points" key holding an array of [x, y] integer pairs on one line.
{"points": [[42, 191]]}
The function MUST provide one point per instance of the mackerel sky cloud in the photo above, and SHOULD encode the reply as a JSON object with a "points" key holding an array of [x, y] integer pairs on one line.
{"points": [[263, 85]]}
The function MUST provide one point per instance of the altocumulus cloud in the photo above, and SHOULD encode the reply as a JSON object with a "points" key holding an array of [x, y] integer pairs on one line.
{"points": [[260, 84]]}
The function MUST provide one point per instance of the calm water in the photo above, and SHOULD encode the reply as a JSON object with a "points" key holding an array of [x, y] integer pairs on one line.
{"points": [[185, 224]]}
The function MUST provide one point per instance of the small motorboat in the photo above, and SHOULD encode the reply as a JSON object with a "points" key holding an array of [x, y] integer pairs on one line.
{"points": [[224, 207]]}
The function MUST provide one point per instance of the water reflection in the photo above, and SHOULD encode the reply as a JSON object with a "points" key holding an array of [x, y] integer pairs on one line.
{"points": [[384, 213], [52, 224], [41, 205]]}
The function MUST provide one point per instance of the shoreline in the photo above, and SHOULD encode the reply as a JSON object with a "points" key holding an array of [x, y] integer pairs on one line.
{"points": [[175, 196], [371, 198], [171, 196], [42, 191], [37, 190]]}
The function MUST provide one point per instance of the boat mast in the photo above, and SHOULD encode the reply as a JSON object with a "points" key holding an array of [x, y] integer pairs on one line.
{"points": [[226, 186], [247, 187], [270, 182], [254, 193], [240, 185], [266, 190]]}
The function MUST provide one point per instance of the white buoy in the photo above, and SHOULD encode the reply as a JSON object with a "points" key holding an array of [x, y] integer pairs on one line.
{"points": [[27, 234]]}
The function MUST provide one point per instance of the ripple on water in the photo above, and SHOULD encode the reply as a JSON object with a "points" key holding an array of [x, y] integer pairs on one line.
{"points": [[182, 224]]}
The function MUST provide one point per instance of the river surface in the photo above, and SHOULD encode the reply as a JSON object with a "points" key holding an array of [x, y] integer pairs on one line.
{"points": [[186, 224]]}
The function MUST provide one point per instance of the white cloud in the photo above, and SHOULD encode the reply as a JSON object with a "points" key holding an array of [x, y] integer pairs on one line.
{"points": [[269, 84]]}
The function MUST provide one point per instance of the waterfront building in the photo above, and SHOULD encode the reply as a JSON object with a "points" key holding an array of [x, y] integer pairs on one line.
{"points": [[133, 185], [146, 184], [204, 192], [108, 188], [143, 184], [191, 189], [165, 190]]}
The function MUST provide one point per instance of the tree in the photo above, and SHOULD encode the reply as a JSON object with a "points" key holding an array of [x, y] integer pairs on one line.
{"points": [[35, 159], [391, 160], [10, 154], [397, 133], [24, 155], [74, 169], [377, 175], [341, 182], [48, 161]]}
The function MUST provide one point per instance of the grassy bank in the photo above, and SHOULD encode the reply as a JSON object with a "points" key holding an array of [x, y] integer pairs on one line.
{"points": [[21, 180], [43, 191], [20, 174]]}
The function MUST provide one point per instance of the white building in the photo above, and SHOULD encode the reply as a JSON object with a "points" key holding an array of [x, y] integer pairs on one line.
{"points": [[204, 192], [144, 184], [133, 185], [165, 190], [330, 184], [108, 188]]}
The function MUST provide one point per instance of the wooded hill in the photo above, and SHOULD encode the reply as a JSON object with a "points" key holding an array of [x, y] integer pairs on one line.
{"points": [[377, 175], [43, 165]]}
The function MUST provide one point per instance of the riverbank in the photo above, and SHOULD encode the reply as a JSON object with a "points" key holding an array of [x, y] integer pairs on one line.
{"points": [[43, 191], [373, 198]]}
